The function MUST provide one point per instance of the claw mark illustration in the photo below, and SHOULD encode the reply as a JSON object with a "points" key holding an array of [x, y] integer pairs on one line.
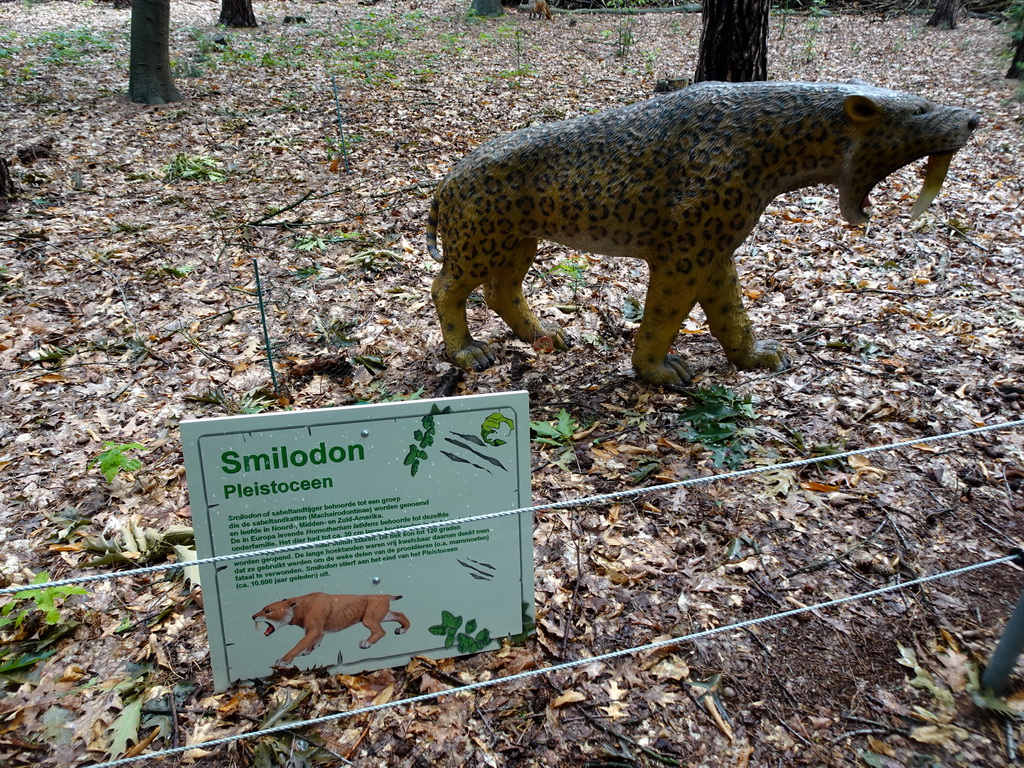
{"points": [[461, 460], [478, 570], [481, 456], [471, 438]]}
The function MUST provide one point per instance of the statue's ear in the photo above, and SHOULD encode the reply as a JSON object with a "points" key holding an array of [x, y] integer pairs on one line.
{"points": [[861, 109]]}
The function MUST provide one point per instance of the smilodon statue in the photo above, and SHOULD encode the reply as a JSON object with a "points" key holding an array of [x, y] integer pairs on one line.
{"points": [[677, 181]]}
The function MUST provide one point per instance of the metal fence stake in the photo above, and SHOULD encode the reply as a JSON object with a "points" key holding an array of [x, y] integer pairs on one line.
{"points": [[341, 125], [266, 329]]}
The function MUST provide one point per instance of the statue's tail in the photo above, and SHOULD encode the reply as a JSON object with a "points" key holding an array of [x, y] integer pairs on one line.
{"points": [[432, 231]]}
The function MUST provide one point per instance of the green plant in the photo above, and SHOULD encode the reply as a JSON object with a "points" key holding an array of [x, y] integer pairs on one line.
{"points": [[574, 268], [451, 43], [131, 227], [311, 271], [187, 68], [511, 74], [625, 33], [317, 242], [378, 391], [205, 44], [718, 422], [366, 46], [174, 270], [113, 460], [365, 67], [28, 602], [68, 46], [650, 60], [49, 355], [7, 49], [864, 346], [335, 333], [256, 400], [193, 168], [373, 30], [809, 49], [1015, 15], [557, 433], [335, 150], [470, 640], [625, 38], [632, 310]]}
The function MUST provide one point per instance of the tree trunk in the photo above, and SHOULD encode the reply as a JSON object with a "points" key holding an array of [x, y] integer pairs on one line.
{"points": [[733, 41], [945, 14], [486, 8], [1016, 70], [237, 13], [7, 189], [149, 73]]}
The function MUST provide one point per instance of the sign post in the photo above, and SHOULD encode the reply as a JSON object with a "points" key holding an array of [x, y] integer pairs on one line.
{"points": [[270, 480]]}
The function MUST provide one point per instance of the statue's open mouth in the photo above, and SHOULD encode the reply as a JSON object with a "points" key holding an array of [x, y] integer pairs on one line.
{"points": [[935, 175]]}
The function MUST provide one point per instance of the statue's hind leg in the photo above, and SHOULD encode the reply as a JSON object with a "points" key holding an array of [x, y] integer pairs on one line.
{"points": [[728, 321], [450, 291], [504, 294]]}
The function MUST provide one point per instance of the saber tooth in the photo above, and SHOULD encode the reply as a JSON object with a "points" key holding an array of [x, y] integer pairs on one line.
{"points": [[935, 174]]}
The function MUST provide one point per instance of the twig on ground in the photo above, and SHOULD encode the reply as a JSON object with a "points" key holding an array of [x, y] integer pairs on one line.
{"points": [[841, 556], [651, 753]]}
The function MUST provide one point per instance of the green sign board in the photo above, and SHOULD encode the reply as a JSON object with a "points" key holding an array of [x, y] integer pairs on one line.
{"points": [[263, 481]]}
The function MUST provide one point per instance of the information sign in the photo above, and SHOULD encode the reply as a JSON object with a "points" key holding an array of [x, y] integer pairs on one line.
{"points": [[270, 480]]}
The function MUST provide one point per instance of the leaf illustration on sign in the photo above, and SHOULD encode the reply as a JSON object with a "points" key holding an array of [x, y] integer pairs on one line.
{"points": [[424, 439], [469, 640], [494, 425]]}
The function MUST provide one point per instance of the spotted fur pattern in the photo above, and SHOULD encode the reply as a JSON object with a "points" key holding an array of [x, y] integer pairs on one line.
{"points": [[678, 181]]}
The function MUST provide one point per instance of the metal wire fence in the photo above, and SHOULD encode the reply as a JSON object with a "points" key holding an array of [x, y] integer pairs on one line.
{"points": [[566, 504]]}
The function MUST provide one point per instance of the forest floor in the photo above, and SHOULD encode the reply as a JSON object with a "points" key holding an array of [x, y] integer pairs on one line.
{"points": [[127, 304]]}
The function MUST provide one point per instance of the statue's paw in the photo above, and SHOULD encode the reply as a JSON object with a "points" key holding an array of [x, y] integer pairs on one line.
{"points": [[475, 355], [673, 373], [558, 336], [767, 354], [763, 354], [553, 338]]}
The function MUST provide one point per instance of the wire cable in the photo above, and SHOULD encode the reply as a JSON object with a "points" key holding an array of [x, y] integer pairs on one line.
{"points": [[567, 665], [566, 504]]}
